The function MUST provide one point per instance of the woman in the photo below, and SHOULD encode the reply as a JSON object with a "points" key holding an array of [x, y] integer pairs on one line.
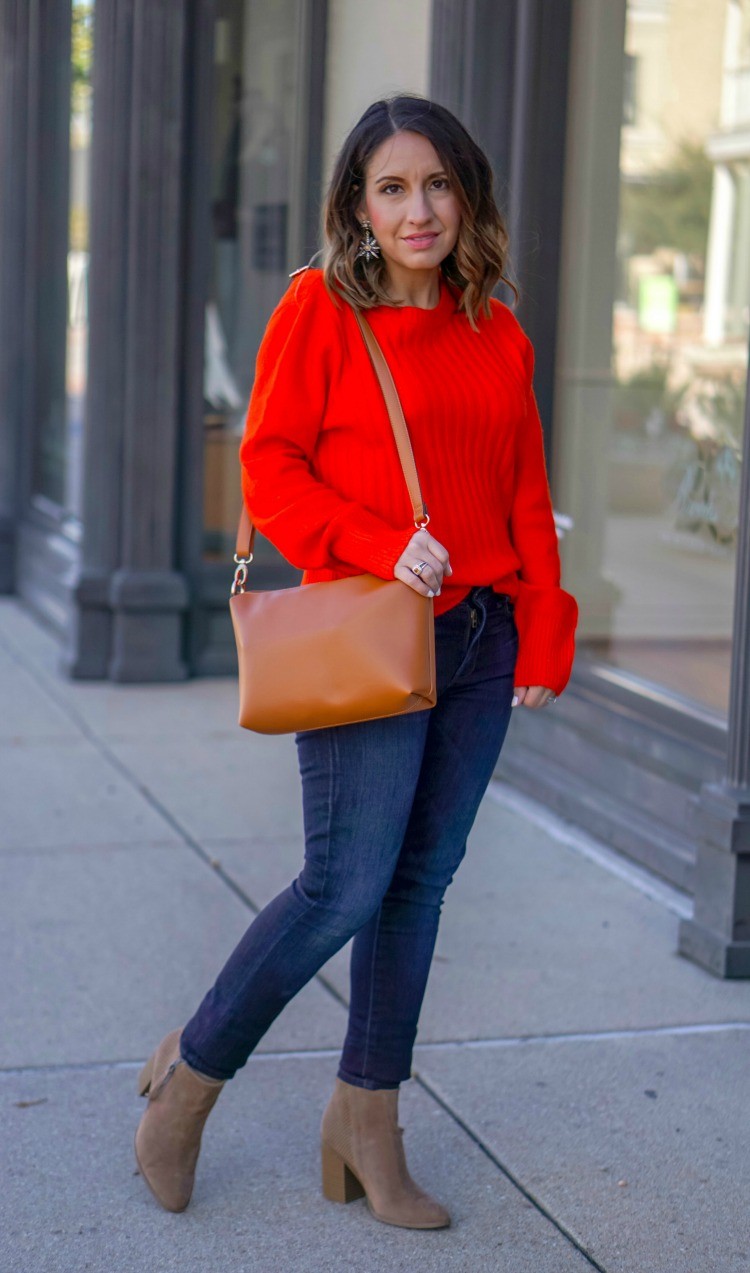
{"points": [[413, 236]]}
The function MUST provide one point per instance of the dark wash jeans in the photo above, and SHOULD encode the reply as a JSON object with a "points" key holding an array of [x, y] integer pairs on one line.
{"points": [[387, 805]]}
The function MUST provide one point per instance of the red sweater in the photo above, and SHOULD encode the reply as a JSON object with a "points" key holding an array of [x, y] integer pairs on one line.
{"points": [[321, 476]]}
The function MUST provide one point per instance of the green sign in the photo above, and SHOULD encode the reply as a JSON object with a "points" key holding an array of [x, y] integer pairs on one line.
{"points": [[657, 303]]}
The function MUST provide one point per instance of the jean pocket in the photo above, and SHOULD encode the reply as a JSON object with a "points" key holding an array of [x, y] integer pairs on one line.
{"points": [[500, 622], [501, 604]]}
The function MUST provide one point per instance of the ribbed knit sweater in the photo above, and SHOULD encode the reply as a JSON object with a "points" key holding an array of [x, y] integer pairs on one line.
{"points": [[322, 480]]}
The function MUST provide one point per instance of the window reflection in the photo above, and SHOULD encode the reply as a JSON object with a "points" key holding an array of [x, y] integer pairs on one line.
{"points": [[255, 103], [59, 442], [681, 319], [78, 253]]}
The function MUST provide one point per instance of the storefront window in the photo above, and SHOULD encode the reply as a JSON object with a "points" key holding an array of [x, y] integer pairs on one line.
{"points": [[657, 517], [58, 459], [78, 255], [255, 95]]}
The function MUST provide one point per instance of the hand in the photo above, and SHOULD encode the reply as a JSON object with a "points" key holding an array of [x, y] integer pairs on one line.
{"points": [[532, 695], [422, 547]]}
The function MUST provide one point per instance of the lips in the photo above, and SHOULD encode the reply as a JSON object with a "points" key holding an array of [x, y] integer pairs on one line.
{"points": [[419, 238]]}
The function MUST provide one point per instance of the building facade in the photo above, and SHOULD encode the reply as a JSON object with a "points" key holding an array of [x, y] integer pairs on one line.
{"points": [[169, 159]]}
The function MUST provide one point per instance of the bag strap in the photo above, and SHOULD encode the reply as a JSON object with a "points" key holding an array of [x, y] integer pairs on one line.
{"points": [[246, 529]]}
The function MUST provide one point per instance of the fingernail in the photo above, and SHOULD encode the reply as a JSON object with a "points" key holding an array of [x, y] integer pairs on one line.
{"points": [[437, 594], [430, 593], [514, 702], [450, 570]]}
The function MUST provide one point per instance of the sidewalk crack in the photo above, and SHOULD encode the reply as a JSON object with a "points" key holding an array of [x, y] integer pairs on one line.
{"points": [[535, 1201]]}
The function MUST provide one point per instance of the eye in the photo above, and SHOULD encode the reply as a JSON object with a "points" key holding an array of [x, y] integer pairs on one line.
{"points": [[394, 185]]}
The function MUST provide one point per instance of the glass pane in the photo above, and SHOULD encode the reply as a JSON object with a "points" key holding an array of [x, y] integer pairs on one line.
{"points": [[255, 102], [76, 363], [670, 433], [58, 444]]}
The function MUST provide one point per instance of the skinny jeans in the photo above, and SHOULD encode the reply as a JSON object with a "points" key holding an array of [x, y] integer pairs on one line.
{"points": [[387, 805]]}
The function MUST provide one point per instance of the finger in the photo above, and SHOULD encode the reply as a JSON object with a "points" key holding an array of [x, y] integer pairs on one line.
{"points": [[519, 694], [425, 582], [441, 553], [435, 548], [537, 696], [432, 572]]}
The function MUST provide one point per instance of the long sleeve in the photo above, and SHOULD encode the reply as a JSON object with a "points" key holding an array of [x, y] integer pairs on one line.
{"points": [[546, 615], [311, 524], [321, 476]]}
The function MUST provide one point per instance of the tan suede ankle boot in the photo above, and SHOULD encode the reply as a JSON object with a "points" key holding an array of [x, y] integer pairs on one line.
{"points": [[363, 1155], [168, 1139]]}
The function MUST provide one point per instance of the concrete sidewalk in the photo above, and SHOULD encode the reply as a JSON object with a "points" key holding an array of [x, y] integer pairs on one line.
{"points": [[581, 1094]]}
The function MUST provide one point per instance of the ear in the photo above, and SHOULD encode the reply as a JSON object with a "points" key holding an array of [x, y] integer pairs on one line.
{"points": [[360, 209]]}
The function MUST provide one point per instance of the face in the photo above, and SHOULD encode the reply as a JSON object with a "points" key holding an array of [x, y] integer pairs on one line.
{"points": [[408, 198]]}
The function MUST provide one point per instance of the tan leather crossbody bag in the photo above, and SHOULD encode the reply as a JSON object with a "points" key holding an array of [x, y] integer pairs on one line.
{"points": [[343, 650]]}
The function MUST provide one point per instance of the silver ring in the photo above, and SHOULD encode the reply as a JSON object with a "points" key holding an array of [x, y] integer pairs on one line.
{"points": [[420, 566], [552, 699]]}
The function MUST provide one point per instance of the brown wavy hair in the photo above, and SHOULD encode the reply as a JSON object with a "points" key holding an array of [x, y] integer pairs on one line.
{"points": [[480, 256]]}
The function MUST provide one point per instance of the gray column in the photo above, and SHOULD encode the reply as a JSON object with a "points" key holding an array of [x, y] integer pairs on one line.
{"points": [[502, 67], [584, 356], [88, 651], [14, 61], [541, 56], [130, 597], [718, 935], [306, 187]]}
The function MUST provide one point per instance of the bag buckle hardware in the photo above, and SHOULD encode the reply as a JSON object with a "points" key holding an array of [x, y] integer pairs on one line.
{"points": [[240, 574]]}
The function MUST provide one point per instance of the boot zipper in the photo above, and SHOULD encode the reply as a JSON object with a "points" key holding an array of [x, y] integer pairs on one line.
{"points": [[155, 1091], [474, 619]]}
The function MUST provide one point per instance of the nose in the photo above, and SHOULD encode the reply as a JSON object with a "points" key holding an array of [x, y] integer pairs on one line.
{"points": [[419, 210]]}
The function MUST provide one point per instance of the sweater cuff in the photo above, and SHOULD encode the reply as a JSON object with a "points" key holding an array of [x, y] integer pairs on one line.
{"points": [[371, 544], [546, 619]]}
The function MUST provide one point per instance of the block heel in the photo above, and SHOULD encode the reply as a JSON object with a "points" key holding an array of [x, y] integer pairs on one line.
{"points": [[362, 1123], [339, 1182]]}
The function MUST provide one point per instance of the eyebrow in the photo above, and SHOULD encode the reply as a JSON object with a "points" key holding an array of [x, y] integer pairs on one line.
{"points": [[440, 173]]}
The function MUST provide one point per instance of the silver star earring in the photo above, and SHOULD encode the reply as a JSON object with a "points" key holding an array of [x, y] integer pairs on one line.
{"points": [[369, 247]]}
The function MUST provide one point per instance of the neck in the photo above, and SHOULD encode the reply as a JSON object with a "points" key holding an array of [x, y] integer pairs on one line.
{"points": [[420, 288]]}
